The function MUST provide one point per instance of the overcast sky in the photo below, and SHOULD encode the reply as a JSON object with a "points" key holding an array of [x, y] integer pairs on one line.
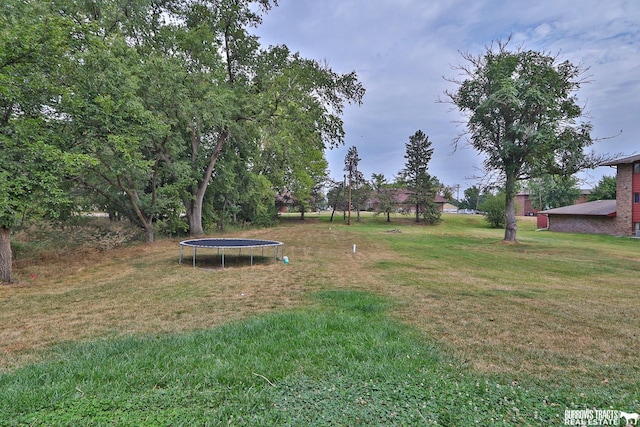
{"points": [[401, 49]]}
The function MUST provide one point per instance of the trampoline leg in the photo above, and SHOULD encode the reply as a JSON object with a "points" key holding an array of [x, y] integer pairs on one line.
{"points": [[251, 257], [180, 259], [194, 257], [223, 258]]}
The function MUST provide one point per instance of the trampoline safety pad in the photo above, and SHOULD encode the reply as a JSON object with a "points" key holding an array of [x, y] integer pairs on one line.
{"points": [[225, 244]]}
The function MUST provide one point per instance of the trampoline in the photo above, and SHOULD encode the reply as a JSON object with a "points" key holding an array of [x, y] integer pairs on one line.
{"points": [[225, 244]]}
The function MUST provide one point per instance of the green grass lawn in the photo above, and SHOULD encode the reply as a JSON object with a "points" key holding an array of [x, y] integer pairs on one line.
{"points": [[340, 361], [439, 325]]}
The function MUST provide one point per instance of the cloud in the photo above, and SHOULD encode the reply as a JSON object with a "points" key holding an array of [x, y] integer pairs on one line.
{"points": [[401, 49]]}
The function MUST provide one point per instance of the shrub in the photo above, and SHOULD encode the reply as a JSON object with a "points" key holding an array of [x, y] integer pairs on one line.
{"points": [[494, 208]]}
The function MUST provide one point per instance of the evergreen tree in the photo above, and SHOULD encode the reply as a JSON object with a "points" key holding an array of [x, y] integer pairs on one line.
{"points": [[422, 187]]}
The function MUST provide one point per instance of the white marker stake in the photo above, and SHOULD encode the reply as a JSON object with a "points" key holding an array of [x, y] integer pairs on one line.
{"points": [[354, 248]]}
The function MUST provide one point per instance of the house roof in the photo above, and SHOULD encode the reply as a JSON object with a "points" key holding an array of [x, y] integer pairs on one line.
{"points": [[623, 161], [597, 208], [403, 194]]}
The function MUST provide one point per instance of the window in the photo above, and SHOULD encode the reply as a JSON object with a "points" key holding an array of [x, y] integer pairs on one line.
{"points": [[636, 168], [636, 197]]}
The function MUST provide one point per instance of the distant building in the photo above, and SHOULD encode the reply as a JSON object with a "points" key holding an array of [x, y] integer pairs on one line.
{"points": [[597, 217], [524, 205], [449, 208], [620, 217], [285, 201], [401, 200]]}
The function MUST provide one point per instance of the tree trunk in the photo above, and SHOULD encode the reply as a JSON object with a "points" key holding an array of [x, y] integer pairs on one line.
{"points": [[388, 216], [223, 216], [195, 217], [146, 221], [5, 255], [511, 226], [148, 229], [195, 214], [417, 212]]}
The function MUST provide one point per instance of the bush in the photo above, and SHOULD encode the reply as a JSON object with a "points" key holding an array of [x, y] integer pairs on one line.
{"points": [[494, 208]]}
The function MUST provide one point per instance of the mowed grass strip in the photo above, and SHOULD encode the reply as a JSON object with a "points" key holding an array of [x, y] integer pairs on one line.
{"points": [[339, 361], [554, 316], [553, 304]]}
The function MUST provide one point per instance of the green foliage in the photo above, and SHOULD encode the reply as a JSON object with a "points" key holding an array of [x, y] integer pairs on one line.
{"points": [[127, 106], [604, 190], [553, 191], [494, 208], [422, 186], [523, 116], [337, 196], [33, 43], [36, 46], [385, 195], [472, 198]]}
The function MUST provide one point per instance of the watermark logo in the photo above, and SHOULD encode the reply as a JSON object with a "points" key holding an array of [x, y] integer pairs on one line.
{"points": [[600, 417], [630, 417]]}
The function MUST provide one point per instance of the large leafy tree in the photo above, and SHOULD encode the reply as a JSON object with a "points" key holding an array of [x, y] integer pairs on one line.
{"points": [[523, 116], [300, 102], [203, 86], [123, 87], [112, 123], [294, 102], [415, 176], [219, 53], [35, 46], [292, 105]]}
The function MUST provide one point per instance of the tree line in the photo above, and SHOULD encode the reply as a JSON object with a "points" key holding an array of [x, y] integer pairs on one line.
{"points": [[166, 112], [169, 113], [523, 117], [382, 196]]}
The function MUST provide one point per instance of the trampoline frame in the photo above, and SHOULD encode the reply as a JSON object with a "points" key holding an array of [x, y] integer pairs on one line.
{"points": [[228, 243]]}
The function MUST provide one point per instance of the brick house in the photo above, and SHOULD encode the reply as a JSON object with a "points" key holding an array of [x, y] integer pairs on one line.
{"points": [[620, 217], [524, 206]]}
